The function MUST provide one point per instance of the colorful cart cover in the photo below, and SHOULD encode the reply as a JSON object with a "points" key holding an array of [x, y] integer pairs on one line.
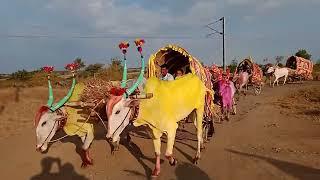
{"points": [[257, 74], [303, 67], [178, 58]]}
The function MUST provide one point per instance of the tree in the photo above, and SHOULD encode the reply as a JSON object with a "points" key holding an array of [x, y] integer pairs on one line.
{"points": [[303, 53], [265, 60], [93, 68], [318, 61], [116, 64], [114, 70], [279, 59], [233, 65], [21, 75], [80, 62]]}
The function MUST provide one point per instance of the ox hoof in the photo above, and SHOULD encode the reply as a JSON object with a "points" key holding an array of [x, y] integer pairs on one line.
{"points": [[113, 152], [155, 174], [174, 163], [86, 163], [196, 160]]}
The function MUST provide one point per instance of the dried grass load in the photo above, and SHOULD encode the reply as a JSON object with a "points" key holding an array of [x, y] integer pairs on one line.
{"points": [[95, 90]]}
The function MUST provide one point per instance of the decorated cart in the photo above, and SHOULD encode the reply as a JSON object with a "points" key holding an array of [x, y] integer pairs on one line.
{"points": [[175, 58], [302, 68], [255, 74]]}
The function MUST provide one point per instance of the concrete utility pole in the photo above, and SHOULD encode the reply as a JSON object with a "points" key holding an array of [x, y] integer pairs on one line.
{"points": [[223, 44], [223, 38]]}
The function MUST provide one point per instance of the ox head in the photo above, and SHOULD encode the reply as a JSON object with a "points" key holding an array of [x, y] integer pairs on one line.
{"points": [[47, 124], [119, 107], [48, 119], [270, 70]]}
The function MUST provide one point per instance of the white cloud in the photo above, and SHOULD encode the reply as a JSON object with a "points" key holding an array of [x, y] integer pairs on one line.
{"points": [[248, 18], [106, 16], [269, 4]]}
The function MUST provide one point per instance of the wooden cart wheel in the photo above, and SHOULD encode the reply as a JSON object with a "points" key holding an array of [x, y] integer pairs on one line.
{"points": [[257, 89]]}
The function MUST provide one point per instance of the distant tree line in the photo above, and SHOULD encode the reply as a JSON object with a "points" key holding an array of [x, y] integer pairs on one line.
{"points": [[112, 71]]}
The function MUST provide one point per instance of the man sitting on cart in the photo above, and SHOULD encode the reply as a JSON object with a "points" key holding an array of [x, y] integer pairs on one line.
{"points": [[165, 75]]}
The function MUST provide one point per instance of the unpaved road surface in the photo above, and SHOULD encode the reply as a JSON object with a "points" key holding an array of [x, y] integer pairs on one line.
{"points": [[274, 136]]}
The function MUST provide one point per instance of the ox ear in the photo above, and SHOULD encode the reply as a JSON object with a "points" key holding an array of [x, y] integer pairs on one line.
{"points": [[132, 103]]}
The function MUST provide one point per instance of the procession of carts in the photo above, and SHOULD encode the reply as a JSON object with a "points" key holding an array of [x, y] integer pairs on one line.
{"points": [[176, 57]]}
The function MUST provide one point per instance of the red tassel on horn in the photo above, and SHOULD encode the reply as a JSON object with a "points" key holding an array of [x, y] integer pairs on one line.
{"points": [[72, 66], [117, 91], [48, 69]]}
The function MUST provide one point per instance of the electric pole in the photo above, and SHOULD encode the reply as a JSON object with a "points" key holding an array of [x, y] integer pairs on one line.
{"points": [[223, 44], [223, 20]]}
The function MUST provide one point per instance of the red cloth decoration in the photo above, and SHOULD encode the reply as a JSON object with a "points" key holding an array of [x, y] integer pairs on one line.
{"points": [[117, 91], [139, 42], [48, 69], [124, 45], [41, 111], [72, 66]]}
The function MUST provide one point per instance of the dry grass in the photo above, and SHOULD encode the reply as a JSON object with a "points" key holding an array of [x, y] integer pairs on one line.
{"points": [[96, 89], [306, 102], [316, 72]]}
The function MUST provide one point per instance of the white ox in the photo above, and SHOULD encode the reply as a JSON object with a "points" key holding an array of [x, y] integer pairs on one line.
{"points": [[278, 73], [49, 119], [171, 102]]}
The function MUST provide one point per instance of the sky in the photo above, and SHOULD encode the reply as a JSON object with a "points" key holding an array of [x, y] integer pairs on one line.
{"points": [[36, 33]]}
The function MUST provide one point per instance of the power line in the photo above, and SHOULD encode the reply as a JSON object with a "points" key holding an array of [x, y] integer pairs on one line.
{"points": [[214, 30], [39, 36], [223, 37], [213, 22]]}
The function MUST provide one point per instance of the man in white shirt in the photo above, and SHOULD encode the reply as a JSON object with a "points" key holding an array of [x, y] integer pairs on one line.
{"points": [[165, 76]]}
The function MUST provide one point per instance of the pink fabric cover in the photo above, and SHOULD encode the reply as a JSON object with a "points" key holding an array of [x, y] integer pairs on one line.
{"points": [[226, 90]]}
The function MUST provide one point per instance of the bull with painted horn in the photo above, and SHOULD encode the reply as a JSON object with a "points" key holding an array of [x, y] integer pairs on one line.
{"points": [[169, 103], [64, 115]]}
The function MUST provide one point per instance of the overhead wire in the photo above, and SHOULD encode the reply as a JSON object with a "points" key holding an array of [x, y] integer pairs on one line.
{"points": [[37, 36]]}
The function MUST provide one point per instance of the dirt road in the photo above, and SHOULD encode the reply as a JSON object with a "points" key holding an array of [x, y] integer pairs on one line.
{"points": [[274, 136]]}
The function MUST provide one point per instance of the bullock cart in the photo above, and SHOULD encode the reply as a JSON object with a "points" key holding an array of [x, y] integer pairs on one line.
{"points": [[255, 79], [299, 68], [177, 58]]}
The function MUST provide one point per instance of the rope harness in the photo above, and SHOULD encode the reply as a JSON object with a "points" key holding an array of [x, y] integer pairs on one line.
{"points": [[122, 121]]}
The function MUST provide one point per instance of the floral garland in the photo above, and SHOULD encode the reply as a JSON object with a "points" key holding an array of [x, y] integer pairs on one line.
{"points": [[139, 43], [124, 46], [48, 69], [72, 67]]}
